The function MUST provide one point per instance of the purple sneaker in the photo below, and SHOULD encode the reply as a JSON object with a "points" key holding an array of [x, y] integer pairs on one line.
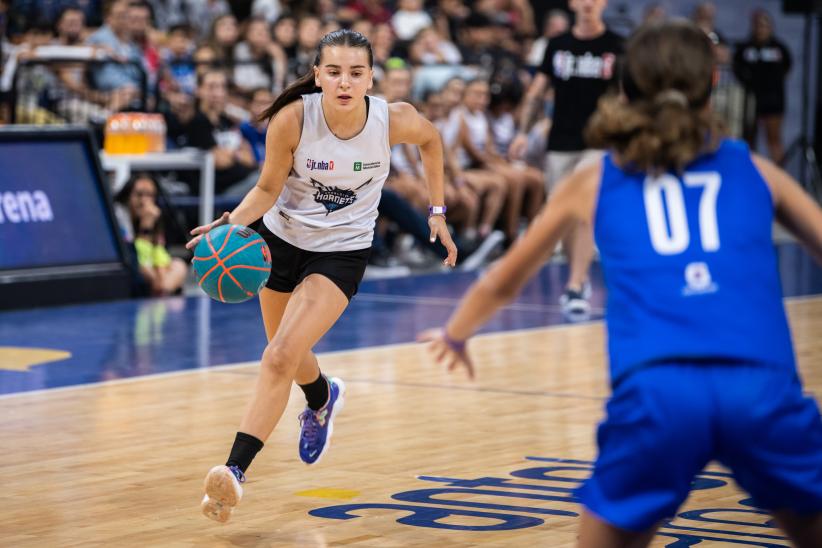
{"points": [[316, 426]]}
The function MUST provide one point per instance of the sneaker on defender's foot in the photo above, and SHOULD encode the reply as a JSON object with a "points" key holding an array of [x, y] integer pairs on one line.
{"points": [[575, 304], [222, 492], [316, 426]]}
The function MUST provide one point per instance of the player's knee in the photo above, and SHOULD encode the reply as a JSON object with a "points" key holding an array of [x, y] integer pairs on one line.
{"points": [[280, 359]]}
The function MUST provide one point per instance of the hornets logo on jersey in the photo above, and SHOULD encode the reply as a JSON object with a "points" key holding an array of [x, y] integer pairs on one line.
{"points": [[334, 198]]}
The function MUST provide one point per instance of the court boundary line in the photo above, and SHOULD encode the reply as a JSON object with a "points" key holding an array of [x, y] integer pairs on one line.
{"points": [[224, 367]]}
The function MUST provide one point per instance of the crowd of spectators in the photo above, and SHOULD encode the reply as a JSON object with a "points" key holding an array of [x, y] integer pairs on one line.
{"points": [[212, 66]]}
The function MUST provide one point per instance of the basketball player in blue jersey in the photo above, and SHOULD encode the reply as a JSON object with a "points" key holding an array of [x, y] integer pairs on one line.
{"points": [[327, 156], [702, 366]]}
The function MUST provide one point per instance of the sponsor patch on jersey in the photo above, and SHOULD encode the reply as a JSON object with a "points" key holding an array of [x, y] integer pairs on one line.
{"points": [[360, 166]]}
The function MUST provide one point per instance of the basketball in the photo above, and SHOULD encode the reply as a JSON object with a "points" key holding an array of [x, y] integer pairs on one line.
{"points": [[232, 263]]}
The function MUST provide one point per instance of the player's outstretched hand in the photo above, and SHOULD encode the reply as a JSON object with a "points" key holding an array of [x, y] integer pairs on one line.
{"points": [[201, 230], [452, 354], [439, 229]]}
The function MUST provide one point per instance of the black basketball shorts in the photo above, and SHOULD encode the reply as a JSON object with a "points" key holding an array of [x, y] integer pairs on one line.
{"points": [[290, 265]]}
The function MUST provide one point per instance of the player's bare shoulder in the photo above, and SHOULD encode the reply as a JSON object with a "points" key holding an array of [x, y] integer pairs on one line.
{"points": [[405, 124], [285, 127]]}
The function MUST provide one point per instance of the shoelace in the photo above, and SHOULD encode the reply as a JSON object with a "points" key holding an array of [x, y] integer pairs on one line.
{"points": [[310, 424], [237, 473]]}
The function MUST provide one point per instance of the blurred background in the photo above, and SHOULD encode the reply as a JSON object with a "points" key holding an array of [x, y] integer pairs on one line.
{"points": [[124, 124]]}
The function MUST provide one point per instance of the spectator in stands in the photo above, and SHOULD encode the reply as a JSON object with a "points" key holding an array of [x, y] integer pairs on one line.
{"points": [[199, 14], [428, 48], [449, 17], [326, 10], [179, 71], [141, 223], [364, 27], [308, 38], [556, 23], [704, 17], [205, 58], [141, 28], [223, 36], [761, 63], [481, 47], [258, 60], [372, 10], [211, 129], [75, 100], [253, 129], [330, 26], [270, 10], [284, 33], [33, 12], [409, 19], [116, 38], [70, 27], [407, 176], [524, 185], [653, 13], [34, 83], [383, 43], [487, 185]]}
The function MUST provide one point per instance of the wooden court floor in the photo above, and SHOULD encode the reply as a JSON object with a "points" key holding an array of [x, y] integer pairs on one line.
{"points": [[121, 464]]}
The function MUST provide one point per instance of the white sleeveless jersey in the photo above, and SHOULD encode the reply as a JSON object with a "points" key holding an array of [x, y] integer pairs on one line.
{"points": [[329, 201]]}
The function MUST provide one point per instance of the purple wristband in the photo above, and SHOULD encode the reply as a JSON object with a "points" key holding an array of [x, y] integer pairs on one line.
{"points": [[456, 346]]}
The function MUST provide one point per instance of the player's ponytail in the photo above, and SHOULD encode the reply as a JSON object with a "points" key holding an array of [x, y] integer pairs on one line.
{"points": [[306, 84], [661, 122]]}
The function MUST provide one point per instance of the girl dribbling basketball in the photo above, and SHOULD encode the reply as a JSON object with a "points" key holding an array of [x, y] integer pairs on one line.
{"points": [[327, 157]]}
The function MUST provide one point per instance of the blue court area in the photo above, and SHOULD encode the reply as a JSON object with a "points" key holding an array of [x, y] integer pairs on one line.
{"points": [[65, 346]]}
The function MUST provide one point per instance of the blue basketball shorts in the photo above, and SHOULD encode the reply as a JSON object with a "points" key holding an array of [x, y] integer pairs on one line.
{"points": [[665, 423]]}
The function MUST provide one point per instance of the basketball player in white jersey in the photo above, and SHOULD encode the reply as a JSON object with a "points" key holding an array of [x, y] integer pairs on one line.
{"points": [[327, 156]]}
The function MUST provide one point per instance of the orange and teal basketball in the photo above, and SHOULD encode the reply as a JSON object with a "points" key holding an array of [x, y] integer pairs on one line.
{"points": [[232, 263]]}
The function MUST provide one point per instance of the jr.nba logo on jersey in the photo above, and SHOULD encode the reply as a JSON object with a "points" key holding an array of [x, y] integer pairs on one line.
{"points": [[334, 198], [321, 165], [698, 280]]}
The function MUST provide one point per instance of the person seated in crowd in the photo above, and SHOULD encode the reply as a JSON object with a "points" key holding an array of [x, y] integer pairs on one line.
{"points": [[409, 19], [308, 38], [210, 128], [122, 75], [524, 184], [179, 72], [222, 38], [429, 48], [77, 102], [258, 60], [489, 187], [407, 174], [254, 129], [284, 33], [141, 223]]}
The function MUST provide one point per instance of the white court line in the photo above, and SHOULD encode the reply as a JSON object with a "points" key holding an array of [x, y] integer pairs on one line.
{"points": [[445, 301], [218, 368]]}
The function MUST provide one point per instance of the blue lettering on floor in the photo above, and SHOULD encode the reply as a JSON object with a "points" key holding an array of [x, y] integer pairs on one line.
{"points": [[500, 512]]}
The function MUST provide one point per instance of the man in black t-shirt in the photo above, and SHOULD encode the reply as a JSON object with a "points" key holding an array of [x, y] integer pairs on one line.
{"points": [[581, 66]]}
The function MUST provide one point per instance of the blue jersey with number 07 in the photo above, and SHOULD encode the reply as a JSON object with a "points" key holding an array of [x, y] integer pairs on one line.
{"points": [[690, 265]]}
